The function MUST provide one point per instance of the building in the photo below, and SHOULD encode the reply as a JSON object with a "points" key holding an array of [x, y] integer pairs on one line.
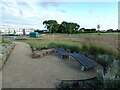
{"points": [[34, 34], [16, 30]]}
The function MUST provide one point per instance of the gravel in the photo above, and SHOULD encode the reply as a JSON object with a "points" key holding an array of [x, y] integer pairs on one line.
{"points": [[5, 50], [22, 71]]}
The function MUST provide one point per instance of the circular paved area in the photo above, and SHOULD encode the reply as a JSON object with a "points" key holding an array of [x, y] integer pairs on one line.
{"points": [[22, 71]]}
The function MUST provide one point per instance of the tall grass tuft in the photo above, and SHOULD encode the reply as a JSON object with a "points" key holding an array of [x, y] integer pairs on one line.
{"points": [[99, 48]]}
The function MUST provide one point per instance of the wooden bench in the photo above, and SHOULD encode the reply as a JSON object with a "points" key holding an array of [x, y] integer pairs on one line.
{"points": [[62, 52], [83, 60], [86, 62]]}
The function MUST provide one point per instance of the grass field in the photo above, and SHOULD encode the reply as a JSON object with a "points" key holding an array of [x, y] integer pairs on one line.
{"points": [[92, 43]]}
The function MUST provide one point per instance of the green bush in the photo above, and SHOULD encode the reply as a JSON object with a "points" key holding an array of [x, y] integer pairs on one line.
{"points": [[65, 46], [104, 59], [52, 45], [110, 79]]}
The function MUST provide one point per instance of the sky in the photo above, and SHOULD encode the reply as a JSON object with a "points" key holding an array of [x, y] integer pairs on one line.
{"points": [[32, 13]]}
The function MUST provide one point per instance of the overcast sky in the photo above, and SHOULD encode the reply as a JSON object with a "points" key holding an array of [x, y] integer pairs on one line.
{"points": [[86, 14]]}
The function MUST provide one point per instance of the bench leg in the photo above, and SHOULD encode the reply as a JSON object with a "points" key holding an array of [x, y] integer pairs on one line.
{"points": [[83, 68], [61, 56], [68, 57]]}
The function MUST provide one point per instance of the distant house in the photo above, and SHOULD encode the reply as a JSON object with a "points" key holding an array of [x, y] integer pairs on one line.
{"points": [[15, 30]]}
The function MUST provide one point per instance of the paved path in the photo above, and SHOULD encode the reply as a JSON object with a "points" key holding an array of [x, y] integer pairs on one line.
{"points": [[21, 71]]}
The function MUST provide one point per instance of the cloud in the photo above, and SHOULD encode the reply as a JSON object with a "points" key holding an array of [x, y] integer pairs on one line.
{"points": [[29, 13], [10, 8], [55, 5], [61, 10], [34, 13], [47, 4], [63, 0]]}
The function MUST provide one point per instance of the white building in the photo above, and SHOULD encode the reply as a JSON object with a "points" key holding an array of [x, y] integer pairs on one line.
{"points": [[18, 30]]}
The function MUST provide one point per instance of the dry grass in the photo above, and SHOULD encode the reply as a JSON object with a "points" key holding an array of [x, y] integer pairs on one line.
{"points": [[92, 43]]}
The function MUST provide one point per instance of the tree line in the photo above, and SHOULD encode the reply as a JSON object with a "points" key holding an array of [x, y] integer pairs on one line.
{"points": [[64, 27], [69, 28]]}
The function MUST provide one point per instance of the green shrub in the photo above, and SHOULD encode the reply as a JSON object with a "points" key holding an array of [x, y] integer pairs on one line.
{"points": [[111, 78], [65, 46], [52, 45], [104, 60]]}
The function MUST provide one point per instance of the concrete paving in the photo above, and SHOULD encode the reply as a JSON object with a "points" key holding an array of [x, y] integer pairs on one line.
{"points": [[22, 71]]}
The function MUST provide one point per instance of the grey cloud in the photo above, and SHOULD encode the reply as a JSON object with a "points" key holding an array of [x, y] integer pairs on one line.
{"points": [[7, 6], [49, 4], [9, 19], [22, 5], [46, 5]]}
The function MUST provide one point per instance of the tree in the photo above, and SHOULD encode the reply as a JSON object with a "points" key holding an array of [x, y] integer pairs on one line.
{"points": [[51, 25], [98, 27], [82, 30], [61, 29], [93, 30], [64, 24], [64, 27], [68, 27], [55, 28], [75, 27], [110, 30]]}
